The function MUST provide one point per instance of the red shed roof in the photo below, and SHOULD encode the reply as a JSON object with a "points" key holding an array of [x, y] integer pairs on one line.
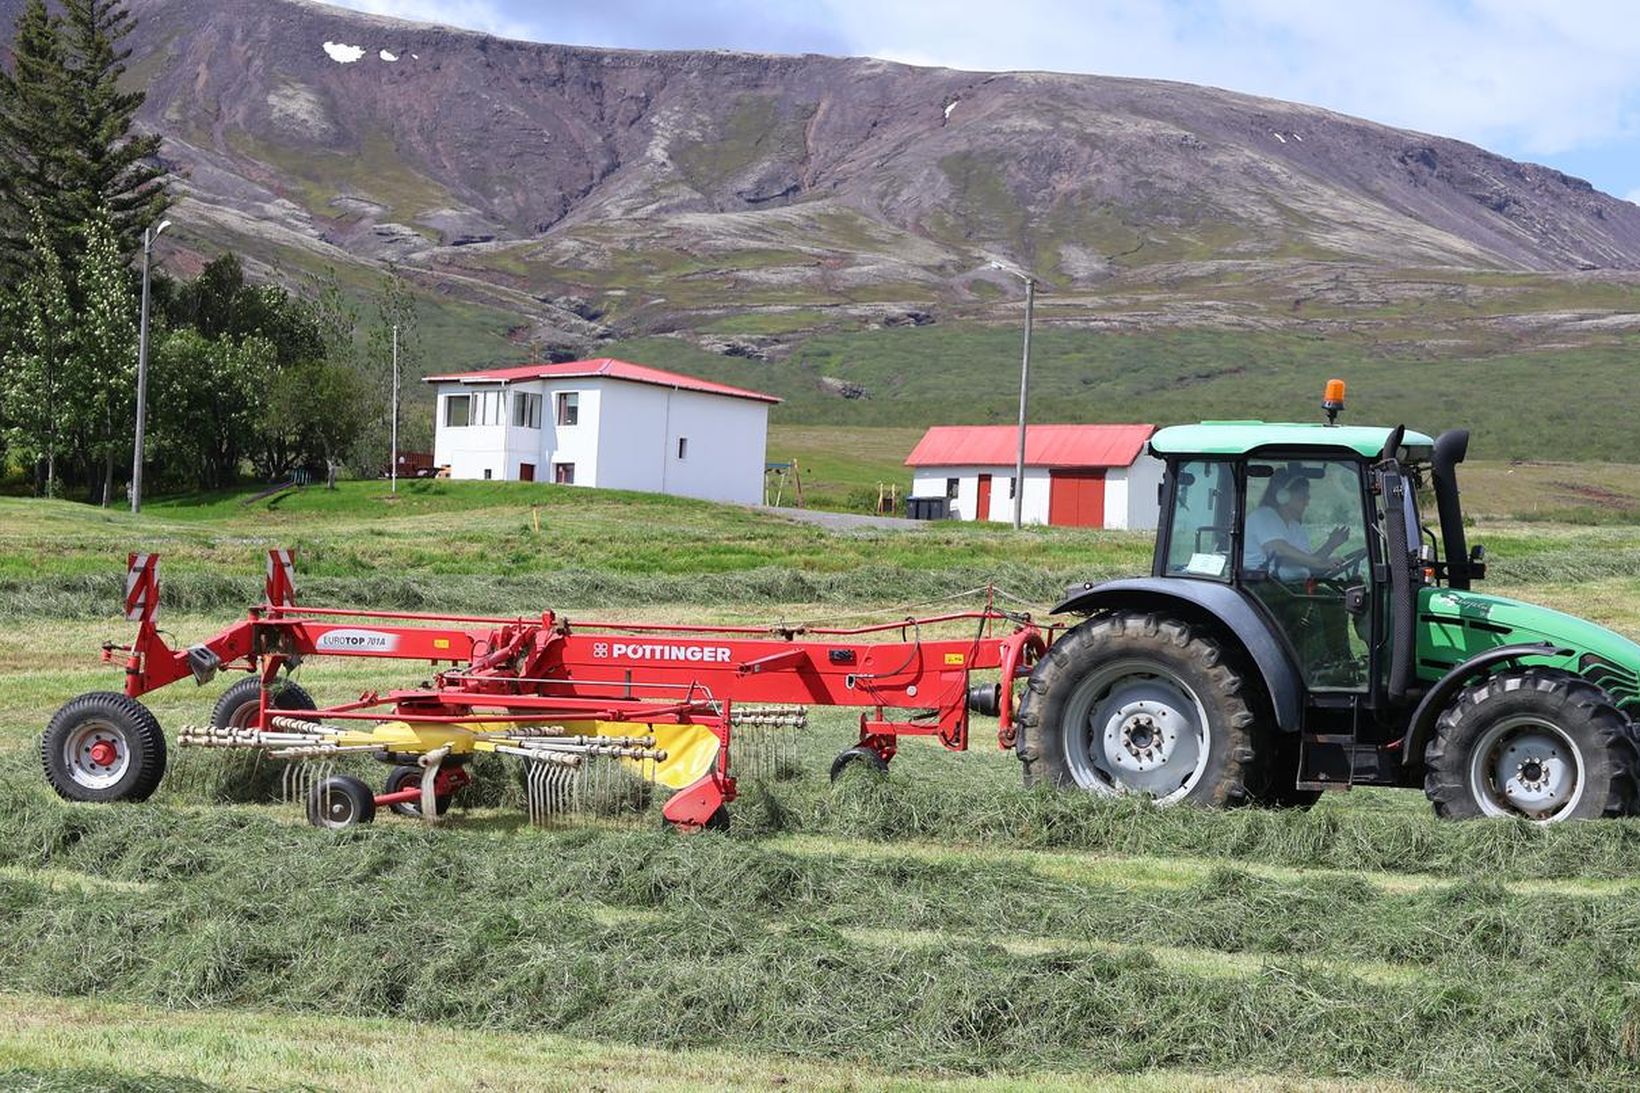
{"points": [[602, 368], [1045, 445]]}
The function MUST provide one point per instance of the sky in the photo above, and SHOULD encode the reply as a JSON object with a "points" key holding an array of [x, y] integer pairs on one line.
{"points": [[1550, 81]]}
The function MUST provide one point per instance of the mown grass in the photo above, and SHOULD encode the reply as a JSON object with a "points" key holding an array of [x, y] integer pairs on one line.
{"points": [[941, 925]]}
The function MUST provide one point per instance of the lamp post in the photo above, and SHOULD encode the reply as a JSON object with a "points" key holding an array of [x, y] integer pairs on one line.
{"points": [[148, 237], [393, 470], [1024, 387]]}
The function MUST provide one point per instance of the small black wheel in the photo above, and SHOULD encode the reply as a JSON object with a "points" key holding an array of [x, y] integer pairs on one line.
{"points": [[341, 802], [103, 747], [403, 777], [238, 706], [859, 754], [1533, 743]]}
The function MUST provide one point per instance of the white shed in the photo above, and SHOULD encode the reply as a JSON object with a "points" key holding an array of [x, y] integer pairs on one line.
{"points": [[605, 423], [1098, 476]]}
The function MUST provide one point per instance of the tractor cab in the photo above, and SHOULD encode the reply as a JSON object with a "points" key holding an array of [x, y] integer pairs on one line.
{"points": [[1298, 518]]}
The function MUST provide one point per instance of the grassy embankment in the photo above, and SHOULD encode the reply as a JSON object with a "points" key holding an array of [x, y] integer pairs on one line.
{"points": [[941, 925]]}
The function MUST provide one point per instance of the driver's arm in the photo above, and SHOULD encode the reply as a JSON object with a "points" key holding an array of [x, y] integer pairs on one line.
{"points": [[1285, 551]]}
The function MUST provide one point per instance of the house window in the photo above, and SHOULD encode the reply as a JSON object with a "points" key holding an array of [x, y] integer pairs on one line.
{"points": [[951, 488], [489, 407], [487, 474], [457, 410], [683, 447], [526, 411], [1011, 483], [563, 474], [569, 408]]}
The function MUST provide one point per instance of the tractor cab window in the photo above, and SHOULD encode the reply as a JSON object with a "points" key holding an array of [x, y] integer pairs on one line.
{"points": [[1304, 556], [1201, 521]]}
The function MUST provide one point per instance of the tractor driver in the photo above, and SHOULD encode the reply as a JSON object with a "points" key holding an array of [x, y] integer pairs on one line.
{"points": [[1278, 543]]}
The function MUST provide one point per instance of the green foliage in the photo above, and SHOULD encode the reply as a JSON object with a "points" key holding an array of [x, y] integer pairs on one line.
{"points": [[100, 384], [207, 399], [315, 409], [32, 406], [66, 141]]}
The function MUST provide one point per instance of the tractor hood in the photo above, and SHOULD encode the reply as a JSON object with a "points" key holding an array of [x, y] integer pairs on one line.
{"points": [[1454, 625]]}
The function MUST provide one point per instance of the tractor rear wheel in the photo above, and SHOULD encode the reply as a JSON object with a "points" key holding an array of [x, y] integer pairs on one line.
{"points": [[1534, 743], [103, 746], [1141, 703], [239, 704]]}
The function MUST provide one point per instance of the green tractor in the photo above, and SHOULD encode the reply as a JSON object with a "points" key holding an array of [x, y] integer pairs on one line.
{"points": [[1304, 629]]}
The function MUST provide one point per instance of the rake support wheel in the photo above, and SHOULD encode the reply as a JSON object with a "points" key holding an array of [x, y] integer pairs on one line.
{"points": [[238, 706], [103, 747]]}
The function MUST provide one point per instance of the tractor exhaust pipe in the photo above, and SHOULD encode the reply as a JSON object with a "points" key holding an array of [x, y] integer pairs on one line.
{"points": [[1450, 449]]}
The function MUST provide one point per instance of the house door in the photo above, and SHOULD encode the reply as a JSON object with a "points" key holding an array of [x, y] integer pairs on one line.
{"points": [[982, 510], [526, 472], [1076, 498]]}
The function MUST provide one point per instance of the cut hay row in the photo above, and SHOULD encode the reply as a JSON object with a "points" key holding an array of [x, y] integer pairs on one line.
{"points": [[761, 949]]}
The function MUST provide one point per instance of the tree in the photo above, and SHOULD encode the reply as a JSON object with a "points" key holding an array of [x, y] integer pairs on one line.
{"points": [[207, 405], [32, 107], [105, 353], [315, 410], [107, 170], [31, 385]]}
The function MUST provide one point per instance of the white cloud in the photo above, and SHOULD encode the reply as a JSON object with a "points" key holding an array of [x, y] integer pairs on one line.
{"points": [[485, 15], [1633, 195]]}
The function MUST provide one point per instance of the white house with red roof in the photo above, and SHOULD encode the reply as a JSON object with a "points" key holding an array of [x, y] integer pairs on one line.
{"points": [[604, 423], [1098, 476]]}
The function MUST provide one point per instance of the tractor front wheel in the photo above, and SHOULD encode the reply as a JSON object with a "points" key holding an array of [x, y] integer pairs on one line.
{"points": [[1142, 704], [1535, 743], [103, 747]]}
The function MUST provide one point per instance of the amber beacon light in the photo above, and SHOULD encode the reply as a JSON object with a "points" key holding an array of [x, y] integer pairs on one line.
{"points": [[1332, 400]]}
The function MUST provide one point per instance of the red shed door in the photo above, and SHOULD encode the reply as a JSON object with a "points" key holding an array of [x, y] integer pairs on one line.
{"points": [[1076, 498], [982, 510]]}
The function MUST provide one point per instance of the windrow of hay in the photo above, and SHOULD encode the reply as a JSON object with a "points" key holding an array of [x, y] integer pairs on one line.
{"points": [[77, 596], [748, 945]]}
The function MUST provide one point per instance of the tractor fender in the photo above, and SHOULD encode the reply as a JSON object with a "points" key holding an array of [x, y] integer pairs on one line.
{"points": [[1441, 693], [1227, 607]]}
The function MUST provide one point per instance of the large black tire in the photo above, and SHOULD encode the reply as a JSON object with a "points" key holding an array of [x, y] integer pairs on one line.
{"points": [[1536, 743], [238, 706], [103, 747], [404, 776], [1167, 701], [341, 802]]}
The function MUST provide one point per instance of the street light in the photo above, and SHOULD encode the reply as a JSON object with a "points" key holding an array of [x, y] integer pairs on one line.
{"points": [[1024, 385], [148, 237]]}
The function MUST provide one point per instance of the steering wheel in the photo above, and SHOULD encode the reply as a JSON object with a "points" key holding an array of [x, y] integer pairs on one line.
{"points": [[1342, 565]]}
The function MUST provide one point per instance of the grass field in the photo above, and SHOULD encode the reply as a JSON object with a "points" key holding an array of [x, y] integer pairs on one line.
{"points": [[942, 928]]}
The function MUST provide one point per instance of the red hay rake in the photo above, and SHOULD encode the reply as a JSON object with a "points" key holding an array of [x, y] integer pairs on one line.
{"points": [[664, 700]]}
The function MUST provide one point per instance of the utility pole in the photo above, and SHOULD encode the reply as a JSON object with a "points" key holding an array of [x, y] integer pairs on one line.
{"points": [[393, 471], [1024, 387], [148, 237]]}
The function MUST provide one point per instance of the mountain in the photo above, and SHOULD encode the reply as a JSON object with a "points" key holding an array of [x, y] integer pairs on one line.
{"points": [[548, 198]]}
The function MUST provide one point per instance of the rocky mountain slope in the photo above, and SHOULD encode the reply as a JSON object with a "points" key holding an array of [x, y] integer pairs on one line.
{"points": [[592, 193]]}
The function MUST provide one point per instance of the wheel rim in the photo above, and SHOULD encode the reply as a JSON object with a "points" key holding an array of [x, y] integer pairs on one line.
{"points": [[1134, 727], [336, 807], [97, 754], [1525, 766]]}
